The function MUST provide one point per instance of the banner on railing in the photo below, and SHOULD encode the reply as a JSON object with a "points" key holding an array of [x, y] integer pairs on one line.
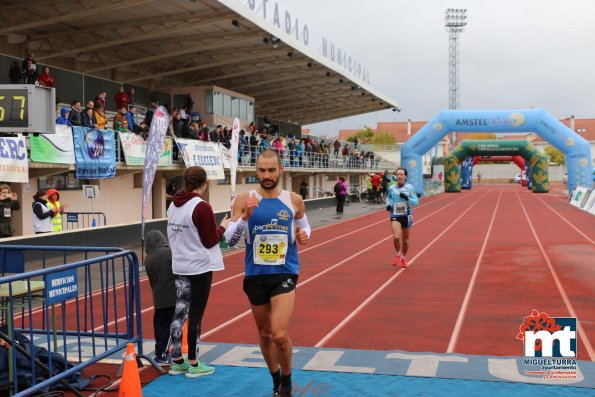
{"points": [[53, 148], [135, 148], [205, 154], [95, 153], [14, 165]]}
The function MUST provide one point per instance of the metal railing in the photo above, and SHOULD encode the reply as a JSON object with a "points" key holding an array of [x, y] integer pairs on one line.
{"points": [[86, 311], [79, 220]]}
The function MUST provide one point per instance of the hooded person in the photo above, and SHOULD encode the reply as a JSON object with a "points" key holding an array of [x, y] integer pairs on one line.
{"points": [[63, 118], [53, 204], [158, 265], [42, 215]]}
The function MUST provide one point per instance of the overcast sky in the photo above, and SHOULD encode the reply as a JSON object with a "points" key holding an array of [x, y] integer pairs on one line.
{"points": [[514, 54]]}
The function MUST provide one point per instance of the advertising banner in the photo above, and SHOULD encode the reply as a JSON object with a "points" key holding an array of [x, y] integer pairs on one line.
{"points": [[53, 148], [135, 147], [95, 153], [205, 154], [14, 165]]}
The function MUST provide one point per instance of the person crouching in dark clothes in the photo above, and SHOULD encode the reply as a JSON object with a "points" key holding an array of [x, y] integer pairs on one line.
{"points": [[159, 270]]}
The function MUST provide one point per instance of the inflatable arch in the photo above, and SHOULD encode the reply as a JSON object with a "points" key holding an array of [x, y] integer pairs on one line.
{"points": [[537, 161], [575, 148], [518, 160]]}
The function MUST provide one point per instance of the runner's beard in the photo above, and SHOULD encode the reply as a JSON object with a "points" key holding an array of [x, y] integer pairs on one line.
{"points": [[274, 183]]}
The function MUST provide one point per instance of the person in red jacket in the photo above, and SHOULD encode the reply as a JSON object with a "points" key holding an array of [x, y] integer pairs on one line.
{"points": [[376, 182], [46, 79], [122, 99]]}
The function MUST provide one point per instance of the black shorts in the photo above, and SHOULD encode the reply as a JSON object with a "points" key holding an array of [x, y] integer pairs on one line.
{"points": [[405, 221], [260, 289]]}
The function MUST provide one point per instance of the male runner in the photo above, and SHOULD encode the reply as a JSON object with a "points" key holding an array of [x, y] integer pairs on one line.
{"points": [[272, 220], [399, 199]]}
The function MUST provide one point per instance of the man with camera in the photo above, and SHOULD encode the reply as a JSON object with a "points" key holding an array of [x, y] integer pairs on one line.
{"points": [[8, 203]]}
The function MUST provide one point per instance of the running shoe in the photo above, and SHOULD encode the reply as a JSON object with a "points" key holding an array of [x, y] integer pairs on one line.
{"points": [[200, 370], [177, 369], [404, 262], [396, 261], [163, 360]]}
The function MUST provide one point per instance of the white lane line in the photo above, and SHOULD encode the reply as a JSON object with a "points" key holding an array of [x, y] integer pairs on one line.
{"points": [[566, 220], [559, 286], [347, 319], [305, 282], [461, 317]]}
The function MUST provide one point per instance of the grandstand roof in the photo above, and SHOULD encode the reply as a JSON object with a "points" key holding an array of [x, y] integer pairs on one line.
{"points": [[165, 44]]}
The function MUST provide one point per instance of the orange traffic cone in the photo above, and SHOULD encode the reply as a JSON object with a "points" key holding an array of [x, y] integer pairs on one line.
{"points": [[130, 384]]}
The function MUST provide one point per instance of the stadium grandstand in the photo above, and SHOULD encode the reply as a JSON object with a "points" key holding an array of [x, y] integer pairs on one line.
{"points": [[215, 59]]}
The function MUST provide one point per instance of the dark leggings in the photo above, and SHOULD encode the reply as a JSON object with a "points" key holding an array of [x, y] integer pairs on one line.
{"points": [[192, 297]]}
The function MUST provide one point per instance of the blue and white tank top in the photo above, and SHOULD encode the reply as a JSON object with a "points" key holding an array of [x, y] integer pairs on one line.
{"points": [[270, 238]]}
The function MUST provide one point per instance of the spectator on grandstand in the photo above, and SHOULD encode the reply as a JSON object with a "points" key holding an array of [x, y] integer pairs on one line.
{"points": [[46, 79], [264, 143], [341, 190], [131, 118], [42, 214], [291, 147], [88, 118], [100, 117], [355, 142], [30, 58], [252, 128], [9, 202], [203, 134], [183, 114], [120, 123], [158, 265], [131, 93], [336, 147], [30, 73], [299, 152], [195, 117], [14, 73], [154, 104], [278, 146], [63, 118], [194, 237], [74, 116], [216, 134], [178, 125], [100, 97], [122, 99], [144, 130]]}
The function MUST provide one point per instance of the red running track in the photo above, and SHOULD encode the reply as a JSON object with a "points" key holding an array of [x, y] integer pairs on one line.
{"points": [[480, 261]]}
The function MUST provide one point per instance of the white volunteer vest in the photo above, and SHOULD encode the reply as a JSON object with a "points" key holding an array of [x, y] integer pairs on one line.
{"points": [[189, 256], [42, 225]]}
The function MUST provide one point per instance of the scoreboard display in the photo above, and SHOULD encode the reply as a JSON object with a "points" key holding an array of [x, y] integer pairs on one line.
{"points": [[27, 108]]}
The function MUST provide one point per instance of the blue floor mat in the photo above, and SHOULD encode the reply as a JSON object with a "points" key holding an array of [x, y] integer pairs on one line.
{"points": [[256, 382]]}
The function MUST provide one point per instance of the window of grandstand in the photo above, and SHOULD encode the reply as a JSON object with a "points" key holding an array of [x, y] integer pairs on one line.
{"points": [[251, 179], [217, 103], [224, 181], [209, 102], [65, 181]]}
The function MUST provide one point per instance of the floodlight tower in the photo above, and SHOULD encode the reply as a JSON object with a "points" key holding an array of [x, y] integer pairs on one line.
{"points": [[454, 22]]}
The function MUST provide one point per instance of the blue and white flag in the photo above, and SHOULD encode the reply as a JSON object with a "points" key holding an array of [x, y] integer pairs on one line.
{"points": [[94, 153], [159, 126]]}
